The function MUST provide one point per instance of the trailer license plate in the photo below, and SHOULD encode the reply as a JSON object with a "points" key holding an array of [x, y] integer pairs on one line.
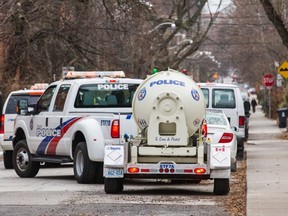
{"points": [[114, 173]]}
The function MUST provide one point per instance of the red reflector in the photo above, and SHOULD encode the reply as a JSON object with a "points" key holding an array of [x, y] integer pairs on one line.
{"points": [[115, 129], [161, 170], [226, 138], [133, 169], [200, 170], [204, 129], [145, 170], [112, 81], [2, 119], [172, 170], [166, 170], [241, 121], [188, 171]]}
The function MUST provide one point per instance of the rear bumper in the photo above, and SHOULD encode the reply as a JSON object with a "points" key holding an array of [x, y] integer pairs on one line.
{"points": [[6, 145]]}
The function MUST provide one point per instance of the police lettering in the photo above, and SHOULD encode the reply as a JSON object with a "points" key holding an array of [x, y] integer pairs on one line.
{"points": [[167, 82], [112, 86], [48, 132]]}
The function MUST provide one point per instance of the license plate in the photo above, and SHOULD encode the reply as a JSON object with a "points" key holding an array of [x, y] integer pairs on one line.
{"points": [[114, 173], [167, 166]]}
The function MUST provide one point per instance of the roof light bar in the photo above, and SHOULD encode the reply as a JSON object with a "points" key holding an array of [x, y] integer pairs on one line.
{"points": [[94, 74], [39, 86]]}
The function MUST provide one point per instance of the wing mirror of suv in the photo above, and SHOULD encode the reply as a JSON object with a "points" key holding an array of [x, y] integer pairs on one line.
{"points": [[23, 108]]}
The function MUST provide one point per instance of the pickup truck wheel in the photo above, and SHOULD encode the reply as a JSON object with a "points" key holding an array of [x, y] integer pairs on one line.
{"points": [[113, 185], [221, 186], [7, 158], [23, 165], [99, 178], [84, 169]]}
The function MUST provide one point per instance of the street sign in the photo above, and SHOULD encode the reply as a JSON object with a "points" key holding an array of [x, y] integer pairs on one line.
{"points": [[283, 69], [268, 80]]}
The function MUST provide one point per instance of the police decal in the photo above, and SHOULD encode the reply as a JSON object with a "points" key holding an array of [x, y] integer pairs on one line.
{"points": [[195, 94], [142, 94], [44, 132], [116, 86]]}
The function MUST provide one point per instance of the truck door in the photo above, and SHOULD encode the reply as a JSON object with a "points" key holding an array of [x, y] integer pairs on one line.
{"points": [[39, 130], [57, 142]]}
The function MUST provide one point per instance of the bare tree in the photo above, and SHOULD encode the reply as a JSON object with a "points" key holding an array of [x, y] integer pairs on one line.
{"points": [[39, 37], [275, 17]]}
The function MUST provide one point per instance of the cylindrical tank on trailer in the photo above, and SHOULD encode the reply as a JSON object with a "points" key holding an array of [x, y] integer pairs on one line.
{"points": [[170, 95]]}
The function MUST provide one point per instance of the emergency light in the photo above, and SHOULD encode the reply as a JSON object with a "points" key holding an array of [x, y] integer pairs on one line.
{"points": [[94, 74], [39, 86]]}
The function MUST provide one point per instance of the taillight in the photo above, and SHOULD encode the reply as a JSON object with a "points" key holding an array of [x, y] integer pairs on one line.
{"points": [[115, 129], [2, 124], [133, 169], [199, 170], [204, 129], [226, 138], [241, 121]]}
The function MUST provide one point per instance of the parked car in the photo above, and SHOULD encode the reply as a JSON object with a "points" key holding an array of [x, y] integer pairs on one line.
{"points": [[220, 131], [228, 98], [8, 116]]}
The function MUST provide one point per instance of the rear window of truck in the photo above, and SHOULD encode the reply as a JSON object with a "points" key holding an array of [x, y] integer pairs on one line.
{"points": [[223, 98], [105, 95], [12, 102]]}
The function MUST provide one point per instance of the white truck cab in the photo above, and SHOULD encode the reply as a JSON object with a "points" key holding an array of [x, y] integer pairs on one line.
{"points": [[72, 121]]}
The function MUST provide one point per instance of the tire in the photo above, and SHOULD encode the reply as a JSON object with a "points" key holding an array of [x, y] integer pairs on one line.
{"points": [[22, 161], [240, 150], [234, 166], [221, 186], [240, 154], [85, 170], [7, 158], [113, 185], [99, 178]]}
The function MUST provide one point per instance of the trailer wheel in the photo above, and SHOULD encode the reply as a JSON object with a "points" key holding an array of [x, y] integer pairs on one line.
{"points": [[113, 185], [221, 186], [22, 163], [7, 158], [85, 170]]}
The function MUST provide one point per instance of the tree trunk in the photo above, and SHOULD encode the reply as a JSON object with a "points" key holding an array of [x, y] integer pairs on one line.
{"points": [[276, 20]]}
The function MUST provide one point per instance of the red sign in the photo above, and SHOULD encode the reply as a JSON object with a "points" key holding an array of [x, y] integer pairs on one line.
{"points": [[268, 80]]}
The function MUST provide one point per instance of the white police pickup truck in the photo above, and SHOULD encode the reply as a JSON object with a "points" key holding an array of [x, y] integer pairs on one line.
{"points": [[72, 121]]}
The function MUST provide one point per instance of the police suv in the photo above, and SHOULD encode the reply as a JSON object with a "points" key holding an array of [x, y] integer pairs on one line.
{"points": [[72, 121], [9, 114]]}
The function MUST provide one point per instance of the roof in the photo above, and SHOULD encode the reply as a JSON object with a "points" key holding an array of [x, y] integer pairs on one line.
{"points": [[217, 85], [99, 80]]}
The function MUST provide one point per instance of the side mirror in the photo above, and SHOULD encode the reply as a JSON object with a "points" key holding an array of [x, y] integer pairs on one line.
{"points": [[22, 107]]}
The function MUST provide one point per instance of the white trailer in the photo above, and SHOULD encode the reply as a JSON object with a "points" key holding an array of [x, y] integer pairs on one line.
{"points": [[169, 109]]}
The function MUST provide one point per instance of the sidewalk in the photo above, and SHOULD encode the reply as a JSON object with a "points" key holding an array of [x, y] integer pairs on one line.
{"points": [[267, 167]]}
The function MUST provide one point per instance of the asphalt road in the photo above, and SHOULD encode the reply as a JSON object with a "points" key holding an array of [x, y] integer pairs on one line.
{"points": [[55, 192]]}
